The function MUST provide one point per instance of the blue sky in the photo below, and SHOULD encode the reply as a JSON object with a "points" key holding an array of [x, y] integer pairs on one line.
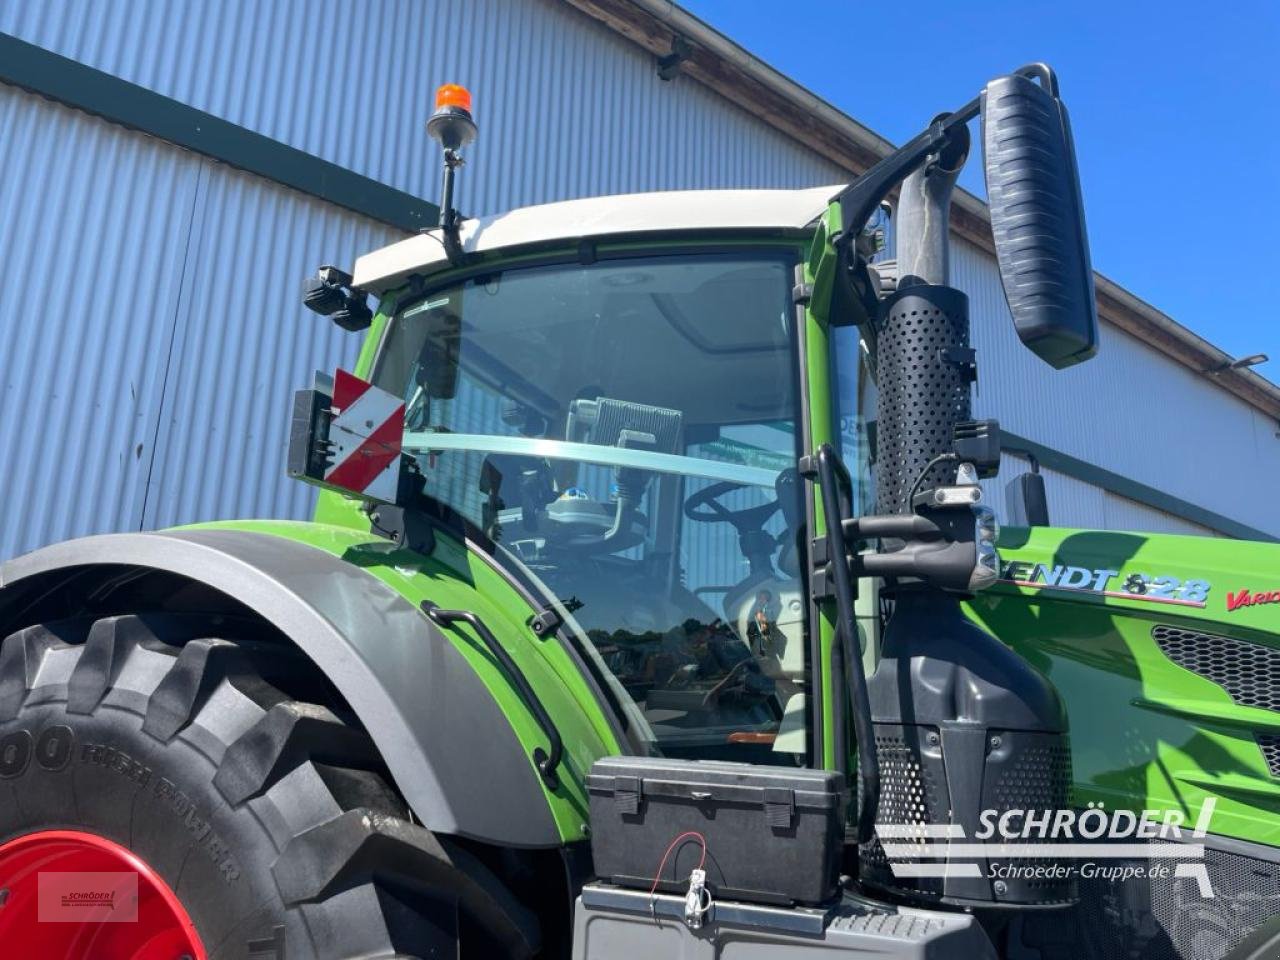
{"points": [[1175, 108]]}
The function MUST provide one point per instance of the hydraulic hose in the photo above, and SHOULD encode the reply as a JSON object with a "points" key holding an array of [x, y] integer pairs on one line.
{"points": [[855, 675]]}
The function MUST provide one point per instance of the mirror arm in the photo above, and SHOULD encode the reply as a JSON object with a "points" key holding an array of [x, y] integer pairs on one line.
{"points": [[862, 198]]}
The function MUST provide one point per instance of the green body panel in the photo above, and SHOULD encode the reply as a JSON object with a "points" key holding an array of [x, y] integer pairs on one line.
{"points": [[819, 274], [1146, 732], [369, 348], [454, 577]]}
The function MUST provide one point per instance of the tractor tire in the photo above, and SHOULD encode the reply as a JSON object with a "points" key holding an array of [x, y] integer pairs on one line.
{"points": [[272, 820]]}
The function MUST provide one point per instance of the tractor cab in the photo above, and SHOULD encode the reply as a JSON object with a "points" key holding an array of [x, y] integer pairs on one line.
{"points": [[612, 399], [629, 405]]}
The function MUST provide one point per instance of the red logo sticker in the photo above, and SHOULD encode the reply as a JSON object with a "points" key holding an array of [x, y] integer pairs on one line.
{"points": [[87, 897], [1245, 598]]}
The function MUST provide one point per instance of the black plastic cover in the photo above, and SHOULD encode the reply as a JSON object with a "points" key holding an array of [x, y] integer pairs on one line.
{"points": [[308, 428], [978, 442], [1262, 944], [1038, 221], [773, 835], [1027, 500], [963, 725]]}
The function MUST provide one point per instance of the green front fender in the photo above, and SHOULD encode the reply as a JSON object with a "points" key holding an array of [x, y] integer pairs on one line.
{"points": [[455, 577], [1147, 731]]}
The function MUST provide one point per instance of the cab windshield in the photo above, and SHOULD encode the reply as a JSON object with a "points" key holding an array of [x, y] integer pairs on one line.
{"points": [[626, 433]]}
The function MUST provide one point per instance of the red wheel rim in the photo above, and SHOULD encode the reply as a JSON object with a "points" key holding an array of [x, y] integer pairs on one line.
{"points": [[67, 895]]}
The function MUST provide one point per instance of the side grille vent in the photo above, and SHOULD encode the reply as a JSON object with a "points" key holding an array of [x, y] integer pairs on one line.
{"points": [[1269, 744], [1249, 672]]}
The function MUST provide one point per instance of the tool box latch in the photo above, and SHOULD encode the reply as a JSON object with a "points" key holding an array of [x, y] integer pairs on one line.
{"points": [[779, 807], [627, 794]]}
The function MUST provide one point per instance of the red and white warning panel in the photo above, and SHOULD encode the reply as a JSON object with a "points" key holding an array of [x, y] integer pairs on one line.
{"points": [[366, 435], [349, 440]]}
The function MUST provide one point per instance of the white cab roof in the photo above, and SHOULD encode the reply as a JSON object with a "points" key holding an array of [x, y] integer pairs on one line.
{"points": [[629, 214]]}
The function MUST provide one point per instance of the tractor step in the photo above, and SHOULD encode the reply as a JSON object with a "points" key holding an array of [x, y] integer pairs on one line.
{"points": [[614, 923]]}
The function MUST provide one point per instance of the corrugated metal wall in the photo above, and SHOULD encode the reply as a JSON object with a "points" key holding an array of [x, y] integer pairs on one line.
{"points": [[1127, 409], [94, 223], [1074, 503], [170, 335], [243, 345], [150, 361], [566, 108], [209, 259]]}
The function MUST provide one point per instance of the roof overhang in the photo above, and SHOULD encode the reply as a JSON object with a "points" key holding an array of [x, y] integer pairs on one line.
{"points": [[718, 63], [685, 212]]}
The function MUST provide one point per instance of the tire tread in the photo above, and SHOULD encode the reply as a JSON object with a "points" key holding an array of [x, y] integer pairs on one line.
{"points": [[356, 877]]}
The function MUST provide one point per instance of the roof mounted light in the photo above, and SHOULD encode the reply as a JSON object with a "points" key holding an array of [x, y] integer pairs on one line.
{"points": [[452, 124], [1242, 364], [453, 95], [453, 127]]}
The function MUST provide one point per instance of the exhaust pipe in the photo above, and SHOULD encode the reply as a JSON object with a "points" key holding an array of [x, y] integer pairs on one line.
{"points": [[924, 214], [924, 361]]}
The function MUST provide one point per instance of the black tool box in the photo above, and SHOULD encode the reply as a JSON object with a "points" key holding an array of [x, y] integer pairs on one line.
{"points": [[771, 834]]}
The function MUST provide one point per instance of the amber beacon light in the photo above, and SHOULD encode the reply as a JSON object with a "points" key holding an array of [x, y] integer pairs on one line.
{"points": [[452, 124]]}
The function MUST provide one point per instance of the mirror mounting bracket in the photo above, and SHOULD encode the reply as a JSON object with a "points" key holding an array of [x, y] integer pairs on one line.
{"points": [[860, 199]]}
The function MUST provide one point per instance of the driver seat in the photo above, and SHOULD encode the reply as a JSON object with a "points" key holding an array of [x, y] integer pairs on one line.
{"points": [[778, 593], [781, 594]]}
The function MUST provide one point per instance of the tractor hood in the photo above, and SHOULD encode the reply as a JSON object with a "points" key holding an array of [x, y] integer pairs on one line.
{"points": [[1165, 651], [637, 214], [1230, 581]]}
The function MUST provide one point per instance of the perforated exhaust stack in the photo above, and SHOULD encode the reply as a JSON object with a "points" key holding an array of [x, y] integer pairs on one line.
{"points": [[924, 372], [925, 366]]}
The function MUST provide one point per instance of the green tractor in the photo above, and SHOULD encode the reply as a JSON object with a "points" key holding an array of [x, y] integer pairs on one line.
{"points": [[650, 608]]}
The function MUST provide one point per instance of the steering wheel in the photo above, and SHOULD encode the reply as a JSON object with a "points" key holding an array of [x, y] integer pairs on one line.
{"points": [[736, 677], [704, 507]]}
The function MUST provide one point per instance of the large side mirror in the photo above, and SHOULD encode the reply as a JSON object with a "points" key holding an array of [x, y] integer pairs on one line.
{"points": [[1037, 217]]}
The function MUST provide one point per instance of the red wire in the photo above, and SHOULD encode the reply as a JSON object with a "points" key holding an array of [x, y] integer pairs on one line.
{"points": [[657, 878]]}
